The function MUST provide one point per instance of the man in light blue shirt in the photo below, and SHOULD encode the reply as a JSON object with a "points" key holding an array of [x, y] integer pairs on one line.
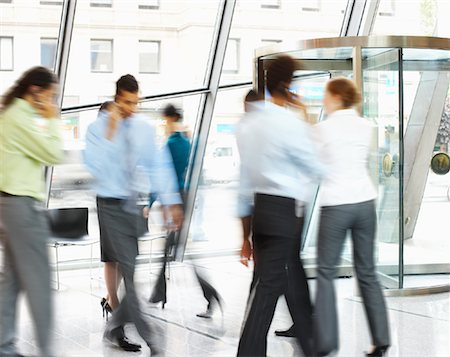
{"points": [[274, 157], [121, 151]]}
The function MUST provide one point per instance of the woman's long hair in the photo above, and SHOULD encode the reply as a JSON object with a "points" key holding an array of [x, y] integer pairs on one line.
{"points": [[36, 76]]}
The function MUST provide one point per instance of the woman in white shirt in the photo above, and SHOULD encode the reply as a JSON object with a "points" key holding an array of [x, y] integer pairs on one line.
{"points": [[347, 203]]}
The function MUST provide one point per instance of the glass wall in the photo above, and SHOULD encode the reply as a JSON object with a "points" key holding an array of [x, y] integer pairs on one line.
{"points": [[412, 17], [166, 46], [268, 23], [28, 33], [214, 224], [72, 183], [381, 93]]}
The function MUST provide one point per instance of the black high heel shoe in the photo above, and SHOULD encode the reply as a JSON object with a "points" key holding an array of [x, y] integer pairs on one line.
{"points": [[159, 293], [215, 300], [378, 351], [163, 302], [106, 308]]}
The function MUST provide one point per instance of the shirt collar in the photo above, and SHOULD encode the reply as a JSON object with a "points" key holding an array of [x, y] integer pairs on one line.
{"points": [[274, 107], [24, 105], [344, 112]]}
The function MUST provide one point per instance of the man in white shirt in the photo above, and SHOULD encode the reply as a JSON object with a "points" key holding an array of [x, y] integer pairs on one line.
{"points": [[277, 152]]}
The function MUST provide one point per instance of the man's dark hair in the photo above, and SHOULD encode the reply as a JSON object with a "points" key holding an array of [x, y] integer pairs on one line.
{"points": [[252, 96], [127, 83], [172, 112], [106, 105], [279, 75]]}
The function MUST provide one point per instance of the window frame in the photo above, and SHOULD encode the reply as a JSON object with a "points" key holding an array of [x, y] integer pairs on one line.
{"points": [[310, 9], [12, 54], [56, 49], [51, 2], [270, 6], [149, 7], [111, 41], [238, 57], [268, 41], [390, 12], [101, 3], [159, 57]]}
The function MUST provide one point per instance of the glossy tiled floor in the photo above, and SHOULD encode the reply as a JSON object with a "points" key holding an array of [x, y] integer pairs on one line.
{"points": [[419, 325]]}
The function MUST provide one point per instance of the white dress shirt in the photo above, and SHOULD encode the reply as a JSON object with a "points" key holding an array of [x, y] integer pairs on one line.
{"points": [[276, 150], [344, 140]]}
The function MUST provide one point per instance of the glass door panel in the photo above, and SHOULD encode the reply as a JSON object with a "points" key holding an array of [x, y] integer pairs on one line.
{"points": [[381, 104]]}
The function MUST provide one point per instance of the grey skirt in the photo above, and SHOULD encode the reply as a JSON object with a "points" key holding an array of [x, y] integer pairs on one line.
{"points": [[119, 230]]}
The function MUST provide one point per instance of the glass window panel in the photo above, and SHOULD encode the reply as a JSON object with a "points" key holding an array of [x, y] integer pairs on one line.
{"points": [[149, 56], [25, 23], [101, 3], [184, 29], [419, 18], [101, 55], [289, 23], [231, 61], [6, 54], [215, 225], [148, 4], [72, 183], [48, 52], [51, 2]]}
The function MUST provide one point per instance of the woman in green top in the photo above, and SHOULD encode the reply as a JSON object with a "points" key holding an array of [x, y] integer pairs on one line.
{"points": [[29, 139]]}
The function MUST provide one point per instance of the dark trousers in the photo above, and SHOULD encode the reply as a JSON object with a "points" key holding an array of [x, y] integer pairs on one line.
{"points": [[279, 271], [360, 219], [121, 227]]}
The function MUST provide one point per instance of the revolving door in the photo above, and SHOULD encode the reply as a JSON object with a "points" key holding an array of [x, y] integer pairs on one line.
{"points": [[404, 82]]}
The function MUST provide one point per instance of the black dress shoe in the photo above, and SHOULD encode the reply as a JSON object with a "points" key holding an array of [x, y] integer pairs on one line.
{"points": [[128, 346], [122, 342], [286, 333], [378, 351], [206, 315]]}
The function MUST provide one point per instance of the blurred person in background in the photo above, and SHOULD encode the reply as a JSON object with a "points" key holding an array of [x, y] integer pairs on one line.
{"points": [[347, 198], [245, 212], [118, 144], [179, 148], [29, 140], [278, 150]]}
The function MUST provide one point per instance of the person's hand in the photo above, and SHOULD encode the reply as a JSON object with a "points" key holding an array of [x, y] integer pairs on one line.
{"points": [[177, 215], [49, 111], [246, 252], [46, 108], [115, 116], [146, 211]]}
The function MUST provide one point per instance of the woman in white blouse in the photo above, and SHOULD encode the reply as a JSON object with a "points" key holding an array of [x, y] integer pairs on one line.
{"points": [[347, 203]]}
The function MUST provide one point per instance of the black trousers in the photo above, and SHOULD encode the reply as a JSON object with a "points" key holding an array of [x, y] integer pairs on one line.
{"points": [[279, 271]]}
